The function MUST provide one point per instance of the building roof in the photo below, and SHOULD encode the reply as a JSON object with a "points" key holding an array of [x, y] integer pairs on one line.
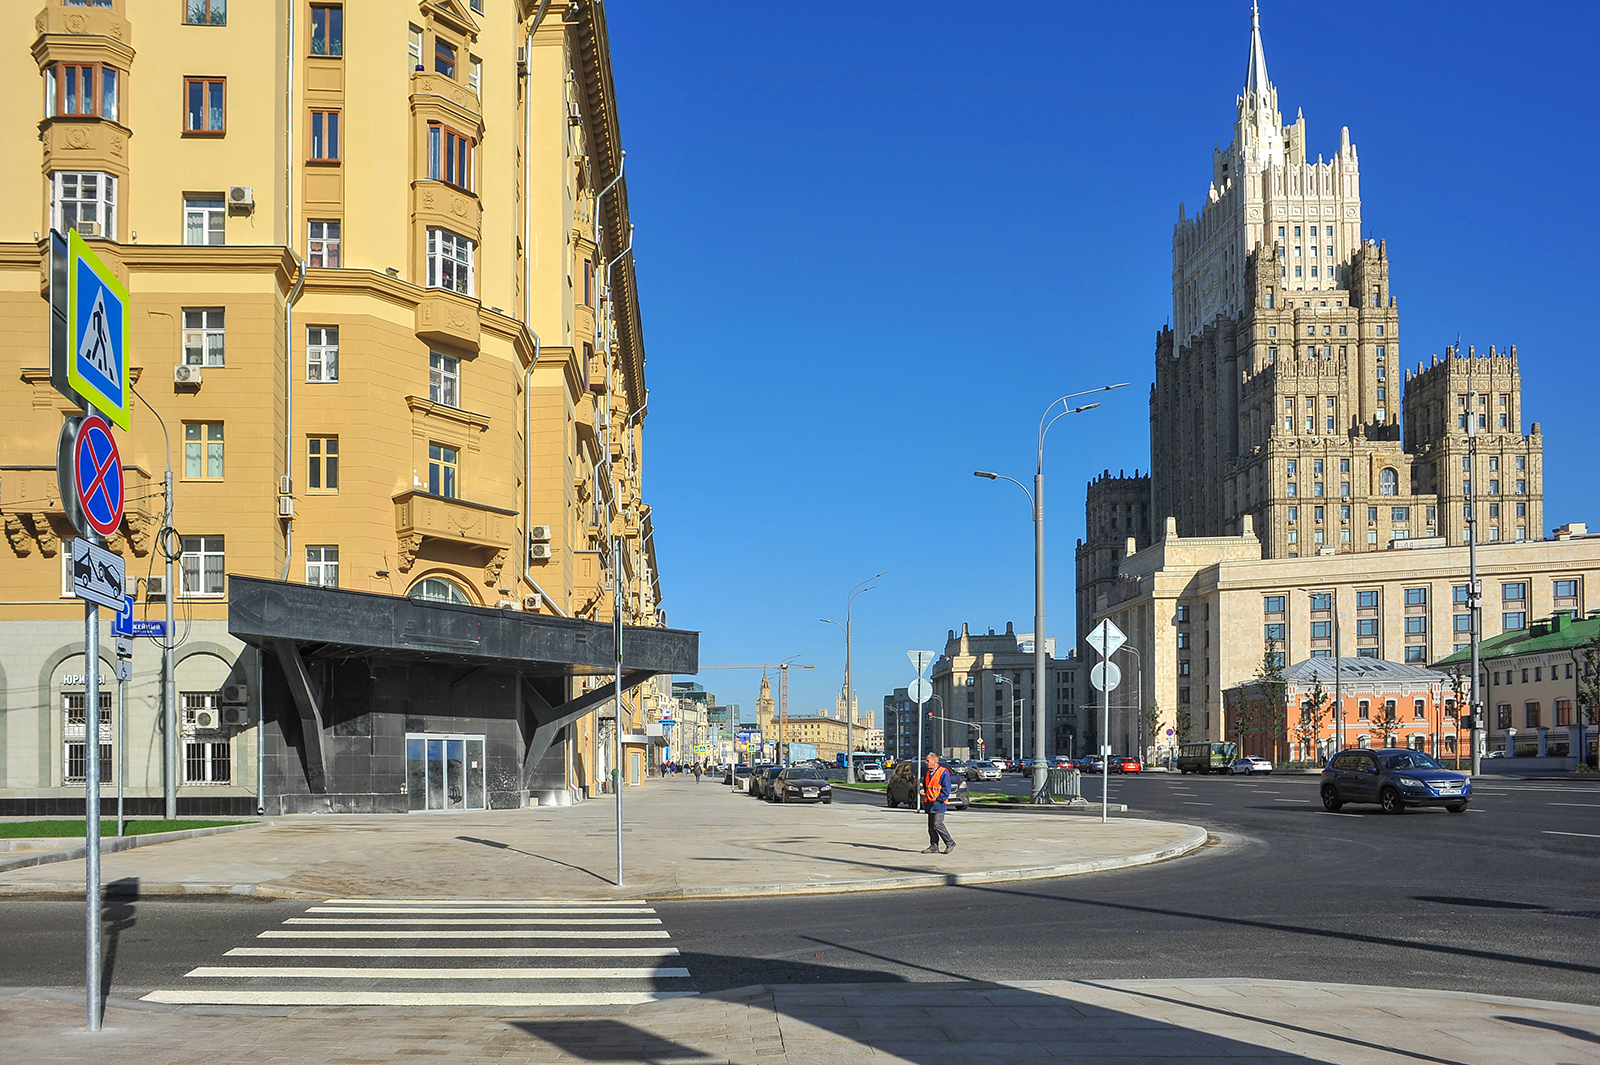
{"points": [[1360, 671], [1559, 632]]}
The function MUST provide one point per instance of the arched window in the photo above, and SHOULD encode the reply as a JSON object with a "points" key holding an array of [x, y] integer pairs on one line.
{"points": [[439, 590], [1388, 482]]}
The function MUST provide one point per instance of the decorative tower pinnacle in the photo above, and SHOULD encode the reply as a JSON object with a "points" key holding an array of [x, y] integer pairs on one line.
{"points": [[1255, 79]]}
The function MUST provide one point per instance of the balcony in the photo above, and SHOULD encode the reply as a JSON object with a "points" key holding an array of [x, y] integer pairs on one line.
{"points": [[420, 518], [445, 317]]}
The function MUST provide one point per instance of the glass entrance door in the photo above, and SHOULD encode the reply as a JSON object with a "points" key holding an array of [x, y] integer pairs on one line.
{"points": [[444, 772]]}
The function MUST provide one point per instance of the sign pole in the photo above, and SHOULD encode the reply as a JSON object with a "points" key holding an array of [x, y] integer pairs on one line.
{"points": [[91, 827], [122, 744]]}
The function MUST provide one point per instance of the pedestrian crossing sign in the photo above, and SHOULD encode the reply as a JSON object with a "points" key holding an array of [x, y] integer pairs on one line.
{"points": [[97, 316]]}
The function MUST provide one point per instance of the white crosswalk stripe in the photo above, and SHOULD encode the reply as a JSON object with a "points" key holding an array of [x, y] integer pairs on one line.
{"points": [[434, 952]]}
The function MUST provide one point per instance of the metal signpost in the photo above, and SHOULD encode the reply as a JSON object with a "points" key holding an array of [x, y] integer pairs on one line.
{"points": [[89, 320], [1106, 639], [920, 692]]}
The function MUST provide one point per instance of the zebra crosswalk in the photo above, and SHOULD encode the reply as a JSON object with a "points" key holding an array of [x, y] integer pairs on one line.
{"points": [[446, 952]]}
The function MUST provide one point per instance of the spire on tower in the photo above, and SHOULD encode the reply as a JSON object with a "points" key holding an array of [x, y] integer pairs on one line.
{"points": [[1255, 80]]}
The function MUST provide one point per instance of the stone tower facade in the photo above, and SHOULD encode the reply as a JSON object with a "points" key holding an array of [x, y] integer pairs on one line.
{"points": [[1277, 388], [1116, 523]]}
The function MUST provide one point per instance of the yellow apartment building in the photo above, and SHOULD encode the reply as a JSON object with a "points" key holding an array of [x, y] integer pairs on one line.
{"points": [[386, 335]]}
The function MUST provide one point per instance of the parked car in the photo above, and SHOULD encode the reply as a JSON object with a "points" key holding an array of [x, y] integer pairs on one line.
{"points": [[871, 772], [740, 771], [1091, 763], [1249, 764], [1024, 766], [762, 779], [1394, 778], [1127, 764], [800, 784], [982, 771], [906, 780]]}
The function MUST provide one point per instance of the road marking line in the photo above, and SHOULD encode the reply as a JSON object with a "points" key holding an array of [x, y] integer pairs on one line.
{"points": [[1199, 804], [1586, 805], [331, 972], [1335, 813], [474, 909], [1585, 835], [1291, 800], [478, 902], [465, 933], [405, 998], [452, 952], [473, 920]]}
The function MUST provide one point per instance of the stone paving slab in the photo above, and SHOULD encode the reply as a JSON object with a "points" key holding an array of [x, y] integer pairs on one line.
{"points": [[1193, 1022], [680, 839]]}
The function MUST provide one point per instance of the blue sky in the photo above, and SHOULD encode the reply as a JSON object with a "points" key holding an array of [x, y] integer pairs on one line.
{"points": [[874, 241]]}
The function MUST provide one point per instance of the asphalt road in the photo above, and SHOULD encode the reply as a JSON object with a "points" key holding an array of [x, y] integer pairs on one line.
{"points": [[1503, 899]]}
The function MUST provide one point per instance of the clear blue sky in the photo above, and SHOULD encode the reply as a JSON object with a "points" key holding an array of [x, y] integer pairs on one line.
{"points": [[875, 240]]}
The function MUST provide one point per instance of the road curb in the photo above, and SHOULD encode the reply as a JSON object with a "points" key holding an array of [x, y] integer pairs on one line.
{"points": [[1193, 839], [1305, 985], [72, 852]]}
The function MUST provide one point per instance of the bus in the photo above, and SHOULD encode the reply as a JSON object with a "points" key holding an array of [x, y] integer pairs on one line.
{"points": [[1206, 757], [860, 756]]}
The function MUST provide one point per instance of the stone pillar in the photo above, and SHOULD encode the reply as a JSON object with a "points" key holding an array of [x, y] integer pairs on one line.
{"points": [[1577, 744], [1544, 741]]}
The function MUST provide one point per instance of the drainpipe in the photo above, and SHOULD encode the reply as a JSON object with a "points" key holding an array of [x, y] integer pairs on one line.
{"points": [[527, 478], [527, 163], [294, 295]]}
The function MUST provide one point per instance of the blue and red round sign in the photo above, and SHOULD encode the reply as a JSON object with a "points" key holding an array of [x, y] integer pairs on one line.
{"points": [[97, 475]]}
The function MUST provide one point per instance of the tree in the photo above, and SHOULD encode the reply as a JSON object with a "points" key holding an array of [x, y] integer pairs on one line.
{"points": [[1150, 723], [1269, 716], [1313, 712], [1384, 724], [1589, 682], [1458, 688], [1183, 723]]}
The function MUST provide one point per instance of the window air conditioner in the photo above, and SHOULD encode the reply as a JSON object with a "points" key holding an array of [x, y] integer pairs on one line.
{"points": [[235, 694], [205, 719], [155, 587], [506, 604], [88, 229], [540, 552], [184, 374], [238, 716], [286, 506], [541, 533], [241, 196]]}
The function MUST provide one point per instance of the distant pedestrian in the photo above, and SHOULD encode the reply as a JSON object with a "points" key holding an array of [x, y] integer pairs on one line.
{"points": [[697, 772], [935, 796]]}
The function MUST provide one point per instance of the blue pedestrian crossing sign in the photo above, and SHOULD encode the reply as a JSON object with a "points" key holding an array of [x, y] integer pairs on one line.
{"points": [[98, 323]]}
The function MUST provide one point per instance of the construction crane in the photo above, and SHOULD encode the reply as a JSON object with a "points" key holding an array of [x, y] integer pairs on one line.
{"points": [[783, 692]]}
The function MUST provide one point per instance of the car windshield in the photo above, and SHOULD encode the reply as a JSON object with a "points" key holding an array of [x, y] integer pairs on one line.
{"points": [[1408, 760], [804, 774]]}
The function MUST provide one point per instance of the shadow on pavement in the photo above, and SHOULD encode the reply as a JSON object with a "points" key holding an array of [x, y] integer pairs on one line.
{"points": [[118, 914], [1562, 1029], [497, 845], [602, 1039]]}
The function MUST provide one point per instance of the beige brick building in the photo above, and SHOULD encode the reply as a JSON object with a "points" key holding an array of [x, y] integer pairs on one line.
{"points": [[383, 318], [983, 689]]}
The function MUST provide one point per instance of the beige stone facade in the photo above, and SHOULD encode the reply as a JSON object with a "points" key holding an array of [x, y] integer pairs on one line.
{"points": [[386, 321], [983, 690]]}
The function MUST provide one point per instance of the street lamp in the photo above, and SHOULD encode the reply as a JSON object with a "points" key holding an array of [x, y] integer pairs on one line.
{"points": [[1013, 725], [1338, 700], [1138, 706], [1036, 498], [849, 692]]}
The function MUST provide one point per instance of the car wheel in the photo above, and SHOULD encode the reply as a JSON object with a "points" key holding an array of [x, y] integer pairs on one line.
{"points": [[1389, 799], [1456, 807], [892, 803], [1330, 799], [827, 802]]}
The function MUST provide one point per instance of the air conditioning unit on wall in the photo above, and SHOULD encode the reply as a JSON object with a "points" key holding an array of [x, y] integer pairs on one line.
{"points": [[238, 716], [540, 552], [539, 533], [184, 374], [205, 720], [235, 694], [155, 587], [242, 196]]}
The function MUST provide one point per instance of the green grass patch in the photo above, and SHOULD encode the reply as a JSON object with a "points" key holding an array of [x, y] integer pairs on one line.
{"points": [[108, 827], [859, 786], [991, 798]]}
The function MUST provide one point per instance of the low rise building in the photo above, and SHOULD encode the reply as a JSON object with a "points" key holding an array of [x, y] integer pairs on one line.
{"points": [[983, 697], [1539, 685], [1329, 703]]}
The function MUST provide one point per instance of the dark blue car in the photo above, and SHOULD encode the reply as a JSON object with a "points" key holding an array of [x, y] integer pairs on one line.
{"points": [[1394, 778]]}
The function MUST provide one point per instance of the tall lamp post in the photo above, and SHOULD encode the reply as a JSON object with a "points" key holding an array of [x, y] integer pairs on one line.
{"points": [[1013, 725], [1138, 704], [849, 690], [1036, 498]]}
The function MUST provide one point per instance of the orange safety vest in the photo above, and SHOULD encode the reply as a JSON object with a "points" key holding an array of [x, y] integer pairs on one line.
{"points": [[933, 784]]}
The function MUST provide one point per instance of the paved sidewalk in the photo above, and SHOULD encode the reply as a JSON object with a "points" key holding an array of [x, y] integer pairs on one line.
{"points": [[1194, 1022], [681, 840]]}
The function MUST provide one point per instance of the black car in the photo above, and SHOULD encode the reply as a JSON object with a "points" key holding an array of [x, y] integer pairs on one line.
{"points": [[1394, 778], [800, 784], [906, 781], [761, 780], [740, 771]]}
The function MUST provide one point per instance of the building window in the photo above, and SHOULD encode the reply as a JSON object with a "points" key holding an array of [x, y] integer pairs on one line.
{"points": [[322, 243], [74, 734], [1512, 620], [449, 156], [203, 566], [1322, 630], [439, 590], [327, 29], [449, 261], [202, 450], [205, 761], [1293, 515], [1564, 589], [85, 201], [202, 12], [322, 463], [1183, 641], [1366, 626], [1416, 597], [71, 89], [1462, 623], [322, 353], [1293, 490], [442, 471], [206, 109], [1272, 604], [1417, 626], [204, 337], [414, 48], [444, 57], [1274, 632], [1367, 599], [1388, 482], [1400, 514], [1416, 654], [322, 565], [1321, 600], [1563, 712], [325, 136], [1514, 591], [444, 379], [1364, 710], [203, 218], [475, 75], [1531, 715]]}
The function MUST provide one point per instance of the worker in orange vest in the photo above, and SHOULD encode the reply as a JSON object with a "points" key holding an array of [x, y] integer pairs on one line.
{"points": [[935, 795]]}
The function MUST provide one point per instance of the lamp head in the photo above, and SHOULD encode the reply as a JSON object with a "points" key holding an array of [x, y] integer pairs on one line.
{"points": [[985, 473]]}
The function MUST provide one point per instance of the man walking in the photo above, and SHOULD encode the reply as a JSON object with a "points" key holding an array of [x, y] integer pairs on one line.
{"points": [[935, 796], [697, 772]]}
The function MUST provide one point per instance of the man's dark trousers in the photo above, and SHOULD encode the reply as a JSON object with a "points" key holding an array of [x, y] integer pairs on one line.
{"points": [[936, 829]]}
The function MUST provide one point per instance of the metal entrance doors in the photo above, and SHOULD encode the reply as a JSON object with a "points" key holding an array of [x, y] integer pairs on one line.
{"points": [[444, 772]]}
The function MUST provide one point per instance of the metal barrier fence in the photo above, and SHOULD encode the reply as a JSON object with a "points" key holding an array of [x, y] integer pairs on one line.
{"points": [[1063, 785]]}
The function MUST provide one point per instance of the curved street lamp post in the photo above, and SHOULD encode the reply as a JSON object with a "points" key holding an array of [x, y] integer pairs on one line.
{"points": [[849, 693]]}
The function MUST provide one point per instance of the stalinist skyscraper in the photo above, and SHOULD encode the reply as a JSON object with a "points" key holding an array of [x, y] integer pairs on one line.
{"points": [[1278, 386]]}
